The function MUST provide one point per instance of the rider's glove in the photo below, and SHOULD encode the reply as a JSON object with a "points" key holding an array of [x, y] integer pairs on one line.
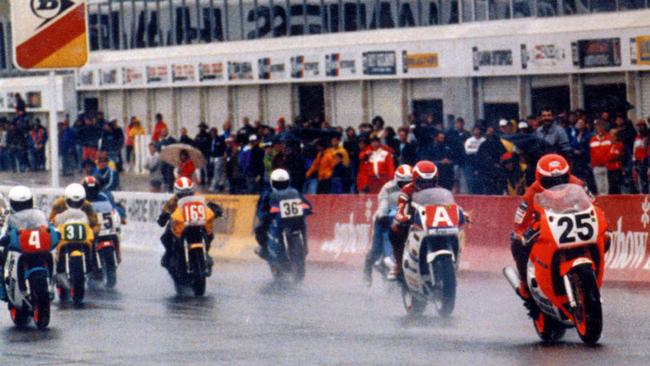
{"points": [[530, 236], [218, 211], [163, 218]]}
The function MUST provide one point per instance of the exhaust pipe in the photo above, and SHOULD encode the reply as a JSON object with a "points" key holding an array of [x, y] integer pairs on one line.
{"points": [[512, 276]]}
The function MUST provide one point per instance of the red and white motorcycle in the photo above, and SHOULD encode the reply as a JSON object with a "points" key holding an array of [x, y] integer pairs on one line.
{"points": [[432, 252]]}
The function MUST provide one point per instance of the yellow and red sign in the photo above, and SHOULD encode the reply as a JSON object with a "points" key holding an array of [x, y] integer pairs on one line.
{"points": [[49, 34]]}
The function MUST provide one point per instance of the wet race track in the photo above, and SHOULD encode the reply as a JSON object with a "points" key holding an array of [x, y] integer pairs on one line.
{"points": [[331, 319]]}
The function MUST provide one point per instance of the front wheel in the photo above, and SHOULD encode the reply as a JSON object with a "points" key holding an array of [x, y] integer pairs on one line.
{"points": [[445, 285], [77, 280], [198, 265], [41, 300], [297, 256], [588, 313], [198, 285], [109, 267]]}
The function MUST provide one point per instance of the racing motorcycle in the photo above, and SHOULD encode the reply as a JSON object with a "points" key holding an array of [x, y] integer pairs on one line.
{"points": [[28, 272], [432, 252], [74, 255], [286, 237], [189, 265], [566, 264], [107, 243]]}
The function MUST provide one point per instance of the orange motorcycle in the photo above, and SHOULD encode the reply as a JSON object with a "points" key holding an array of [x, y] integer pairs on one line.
{"points": [[566, 264]]}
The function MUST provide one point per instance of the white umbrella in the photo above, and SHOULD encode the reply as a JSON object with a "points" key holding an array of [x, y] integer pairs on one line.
{"points": [[170, 154]]}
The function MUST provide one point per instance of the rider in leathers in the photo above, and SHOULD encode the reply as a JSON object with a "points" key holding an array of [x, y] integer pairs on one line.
{"points": [[383, 217], [552, 170], [280, 189]]}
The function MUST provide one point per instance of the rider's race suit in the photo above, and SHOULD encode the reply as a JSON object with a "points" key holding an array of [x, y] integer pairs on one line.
{"points": [[268, 199], [388, 196], [25, 219], [59, 206], [168, 239], [103, 196], [400, 228], [524, 235]]}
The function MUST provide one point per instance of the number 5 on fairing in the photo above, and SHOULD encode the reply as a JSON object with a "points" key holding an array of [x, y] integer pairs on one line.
{"points": [[574, 229]]}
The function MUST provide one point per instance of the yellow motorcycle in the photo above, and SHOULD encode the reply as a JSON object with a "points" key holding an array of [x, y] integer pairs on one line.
{"points": [[73, 255]]}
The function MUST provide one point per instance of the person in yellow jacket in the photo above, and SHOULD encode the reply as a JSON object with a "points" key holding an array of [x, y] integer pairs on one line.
{"points": [[133, 130], [183, 187], [75, 198], [323, 165]]}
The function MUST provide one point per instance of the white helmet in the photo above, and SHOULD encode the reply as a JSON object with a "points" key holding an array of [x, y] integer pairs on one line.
{"points": [[21, 198], [403, 175], [280, 179], [75, 195]]}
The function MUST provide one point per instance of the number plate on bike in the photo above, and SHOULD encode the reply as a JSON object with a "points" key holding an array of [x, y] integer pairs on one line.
{"points": [[194, 213], [573, 229], [34, 241], [291, 208], [74, 232]]}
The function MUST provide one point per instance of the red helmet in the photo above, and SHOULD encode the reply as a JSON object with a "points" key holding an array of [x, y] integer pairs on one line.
{"points": [[425, 175], [403, 175], [552, 170], [183, 187], [92, 187]]}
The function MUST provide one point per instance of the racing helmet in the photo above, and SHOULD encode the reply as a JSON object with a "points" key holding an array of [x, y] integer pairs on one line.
{"points": [[183, 187], [75, 195], [403, 175], [280, 179], [21, 198], [425, 175], [552, 170], [91, 186]]}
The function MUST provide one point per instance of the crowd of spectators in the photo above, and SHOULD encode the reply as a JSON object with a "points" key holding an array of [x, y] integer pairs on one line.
{"points": [[610, 153]]}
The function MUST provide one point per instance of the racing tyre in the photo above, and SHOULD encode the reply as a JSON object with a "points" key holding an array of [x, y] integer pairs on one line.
{"points": [[413, 305], [548, 329], [41, 299], [197, 260], [588, 313], [198, 285], [297, 256], [445, 285], [77, 280], [18, 316], [109, 267]]}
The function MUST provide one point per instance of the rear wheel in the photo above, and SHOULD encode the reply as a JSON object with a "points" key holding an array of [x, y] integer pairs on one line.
{"points": [[548, 329], [77, 280], [445, 285], [109, 267], [413, 305], [588, 313], [41, 300], [297, 256]]}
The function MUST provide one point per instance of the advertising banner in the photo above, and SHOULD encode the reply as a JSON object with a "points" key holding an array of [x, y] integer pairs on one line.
{"points": [[491, 58], [240, 70], [183, 73], [640, 50], [542, 56], [109, 76], [132, 76], [157, 74], [305, 67], [211, 71], [379, 63], [591, 53], [419, 63], [340, 64], [271, 69]]}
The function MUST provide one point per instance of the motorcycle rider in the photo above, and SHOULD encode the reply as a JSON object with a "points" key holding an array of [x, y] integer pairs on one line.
{"points": [[425, 176], [280, 188], [383, 217], [21, 204], [183, 187], [74, 197], [94, 193], [552, 170]]}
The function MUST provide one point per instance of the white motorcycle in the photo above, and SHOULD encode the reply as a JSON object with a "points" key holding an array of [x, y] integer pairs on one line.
{"points": [[28, 270], [107, 243], [432, 252]]}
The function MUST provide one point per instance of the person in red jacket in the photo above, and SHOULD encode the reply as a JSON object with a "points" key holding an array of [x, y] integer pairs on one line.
{"points": [[599, 146], [425, 176], [376, 167], [615, 163], [552, 170]]}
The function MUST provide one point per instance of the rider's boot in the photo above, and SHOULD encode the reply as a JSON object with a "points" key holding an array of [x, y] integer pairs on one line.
{"points": [[262, 252]]}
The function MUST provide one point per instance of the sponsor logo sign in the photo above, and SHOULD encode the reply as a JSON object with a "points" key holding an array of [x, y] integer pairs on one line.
{"points": [[211, 71], [418, 62], [132, 76], [240, 70], [338, 64], [158, 74], [640, 50], [49, 34], [542, 55], [591, 53], [108, 76], [271, 69], [305, 67], [379, 63], [183, 73], [491, 58]]}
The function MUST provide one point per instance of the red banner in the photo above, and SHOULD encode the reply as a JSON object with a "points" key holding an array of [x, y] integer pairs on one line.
{"points": [[340, 231]]}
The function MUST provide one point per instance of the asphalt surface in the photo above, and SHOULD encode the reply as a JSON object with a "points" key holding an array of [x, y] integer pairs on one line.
{"points": [[332, 319]]}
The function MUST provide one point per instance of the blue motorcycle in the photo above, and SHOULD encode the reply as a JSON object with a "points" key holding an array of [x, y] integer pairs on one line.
{"points": [[286, 238]]}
